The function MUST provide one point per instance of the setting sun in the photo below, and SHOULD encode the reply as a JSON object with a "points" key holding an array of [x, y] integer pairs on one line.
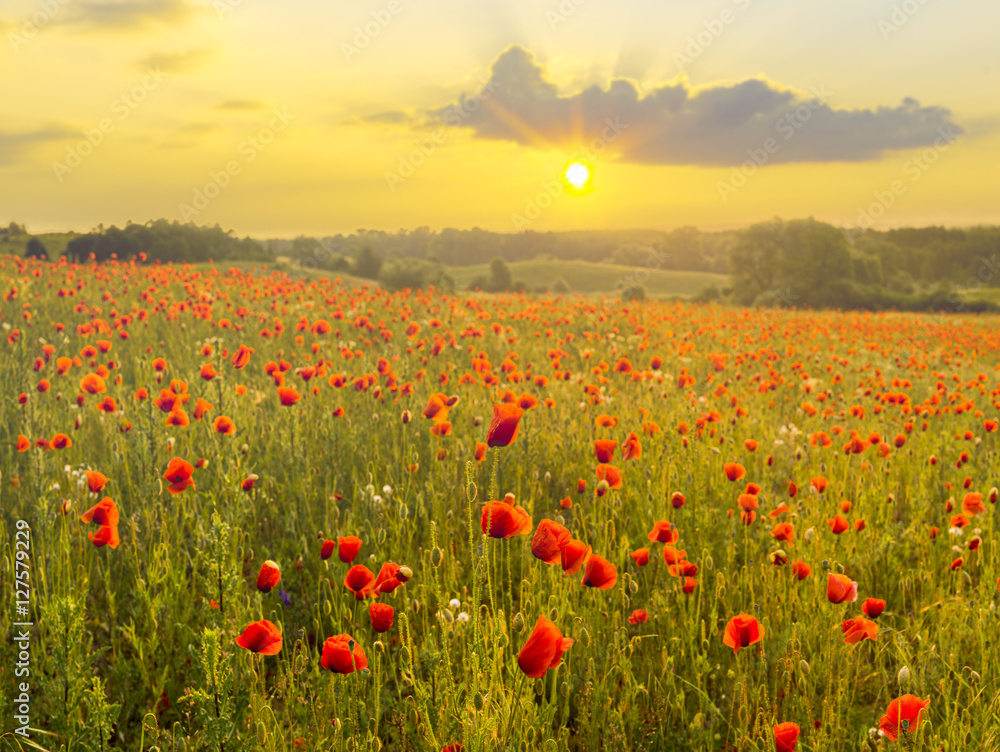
{"points": [[577, 175]]}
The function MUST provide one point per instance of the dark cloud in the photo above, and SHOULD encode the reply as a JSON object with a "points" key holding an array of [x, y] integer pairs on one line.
{"points": [[174, 62], [242, 104], [127, 14], [14, 146], [677, 124], [189, 134]]}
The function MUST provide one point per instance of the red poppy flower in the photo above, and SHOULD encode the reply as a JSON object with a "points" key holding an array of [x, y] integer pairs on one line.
{"points": [[381, 615], [734, 471], [786, 736], [742, 631], [573, 555], [611, 474], [268, 577], [338, 655], [784, 532], [599, 573], [505, 424], [641, 557], [690, 583], [683, 568], [179, 475], [838, 524], [801, 570], [972, 504], [96, 481], [242, 356], [348, 547], [632, 448], [261, 637], [543, 649], [388, 579], [841, 589], [106, 535], [604, 449], [664, 532], [93, 384], [677, 500], [327, 549], [288, 395], [906, 708], [819, 484], [224, 425], [780, 510], [504, 520], [672, 555], [105, 512], [859, 628], [549, 540], [60, 441], [360, 580], [639, 616], [873, 607]]}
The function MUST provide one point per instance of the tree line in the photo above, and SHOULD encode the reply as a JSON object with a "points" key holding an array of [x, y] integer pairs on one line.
{"points": [[802, 262]]}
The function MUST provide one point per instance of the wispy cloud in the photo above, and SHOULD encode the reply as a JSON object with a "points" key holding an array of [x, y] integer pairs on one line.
{"points": [[189, 135], [242, 105], [14, 146], [182, 61]]}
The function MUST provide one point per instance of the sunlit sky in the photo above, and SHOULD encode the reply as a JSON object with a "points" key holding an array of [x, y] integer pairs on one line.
{"points": [[311, 124]]}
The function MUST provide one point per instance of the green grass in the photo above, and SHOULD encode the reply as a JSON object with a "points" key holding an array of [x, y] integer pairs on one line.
{"points": [[597, 279]]}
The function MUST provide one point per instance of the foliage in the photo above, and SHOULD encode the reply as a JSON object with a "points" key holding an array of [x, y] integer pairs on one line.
{"points": [[160, 240]]}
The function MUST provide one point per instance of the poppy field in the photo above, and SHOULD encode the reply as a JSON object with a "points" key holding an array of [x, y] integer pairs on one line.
{"points": [[246, 511]]}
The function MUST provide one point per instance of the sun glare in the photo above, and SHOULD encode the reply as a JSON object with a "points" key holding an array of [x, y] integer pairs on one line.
{"points": [[577, 175]]}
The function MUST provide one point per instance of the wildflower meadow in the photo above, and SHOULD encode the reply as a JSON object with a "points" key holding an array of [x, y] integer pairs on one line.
{"points": [[243, 510]]}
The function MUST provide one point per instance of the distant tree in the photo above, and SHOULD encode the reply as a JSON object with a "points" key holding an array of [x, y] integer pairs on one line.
{"points": [[633, 293], [560, 286], [500, 277], [400, 273], [14, 229], [36, 249], [368, 263], [753, 260]]}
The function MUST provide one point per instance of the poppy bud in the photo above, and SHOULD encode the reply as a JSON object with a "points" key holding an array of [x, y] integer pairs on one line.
{"points": [[633, 586], [825, 565], [553, 614], [585, 637], [437, 556], [380, 536], [974, 677], [479, 701], [337, 725], [261, 733], [804, 668], [548, 477], [709, 562], [903, 677], [244, 448], [404, 574], [518, 623]]}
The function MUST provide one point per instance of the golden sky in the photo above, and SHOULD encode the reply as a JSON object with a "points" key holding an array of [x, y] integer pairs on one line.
{"points": [[313, 117]]}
